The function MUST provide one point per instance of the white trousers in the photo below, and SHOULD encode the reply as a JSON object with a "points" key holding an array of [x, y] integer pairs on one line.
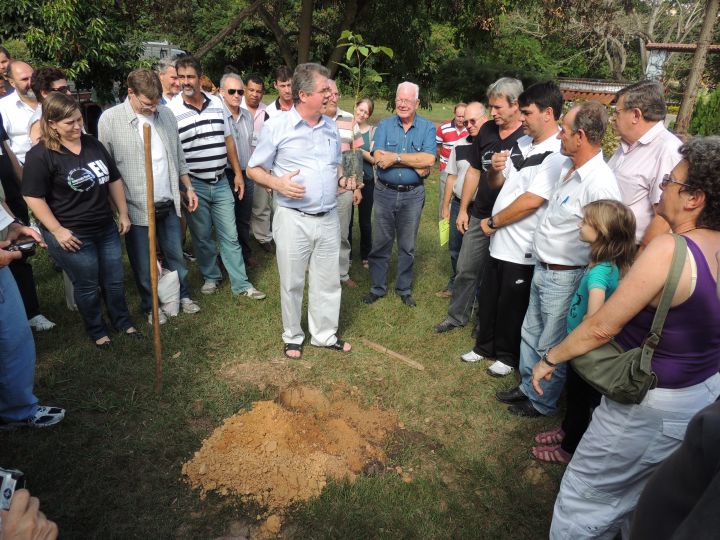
{"points": [[344, 208], [621, 448], [308, 243]]}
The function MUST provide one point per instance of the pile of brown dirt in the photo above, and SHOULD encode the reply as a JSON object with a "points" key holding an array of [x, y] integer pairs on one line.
{"points": [[281, 453]]}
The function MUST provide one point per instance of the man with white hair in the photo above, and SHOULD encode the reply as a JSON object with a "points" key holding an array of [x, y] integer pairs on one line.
{"points": [[404, 152]]}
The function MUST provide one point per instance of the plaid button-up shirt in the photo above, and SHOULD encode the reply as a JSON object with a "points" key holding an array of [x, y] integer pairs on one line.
{"points": [[118, 131]]}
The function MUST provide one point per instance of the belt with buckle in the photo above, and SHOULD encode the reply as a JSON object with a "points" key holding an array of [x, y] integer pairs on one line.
{"points": [[212, 182], [318, 214], [400, 187], [558, 267]]}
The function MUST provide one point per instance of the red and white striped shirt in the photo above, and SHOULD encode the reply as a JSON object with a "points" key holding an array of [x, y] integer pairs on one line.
{"points": [[447, 135]]}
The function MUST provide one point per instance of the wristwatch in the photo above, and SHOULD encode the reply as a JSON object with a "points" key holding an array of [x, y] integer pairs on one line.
{"points": [[544, 358], [397, 158], [491, 222]]}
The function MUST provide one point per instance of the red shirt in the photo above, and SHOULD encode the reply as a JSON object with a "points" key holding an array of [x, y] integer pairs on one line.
{"points": [[447, 135]]}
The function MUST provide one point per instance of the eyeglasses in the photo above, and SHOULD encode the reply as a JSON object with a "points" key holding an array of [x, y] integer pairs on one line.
{"points": [[233, 91], [404, 101], [668, 179], [62, 89], [471, 122], [146, 107]]}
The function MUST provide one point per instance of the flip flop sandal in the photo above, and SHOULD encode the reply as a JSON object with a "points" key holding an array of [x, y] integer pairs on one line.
{"points": [[551, 454], [548, 438], [293, 347]]}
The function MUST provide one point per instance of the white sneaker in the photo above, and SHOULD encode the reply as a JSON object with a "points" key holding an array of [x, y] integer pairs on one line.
{"points": [[253, 293], [188, 306], [209, 287], [471, 356], [498, 369], [44, 417], [40, 323], [161, 316]]}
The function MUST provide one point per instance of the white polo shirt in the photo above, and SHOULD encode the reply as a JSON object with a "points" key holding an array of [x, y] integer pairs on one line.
{"points": [[514, 242], [16, 116], [557, 238]]}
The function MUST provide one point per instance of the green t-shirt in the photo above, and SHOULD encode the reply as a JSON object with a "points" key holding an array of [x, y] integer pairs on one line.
{"points": [[603, 276]]}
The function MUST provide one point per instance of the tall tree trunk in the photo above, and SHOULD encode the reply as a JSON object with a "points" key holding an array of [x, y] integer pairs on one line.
{"points": [[283, 45], [305, 28], [350, 15], [234, 23], [698, 65]]}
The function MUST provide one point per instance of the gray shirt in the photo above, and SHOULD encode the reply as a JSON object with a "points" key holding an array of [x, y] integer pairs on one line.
{"points": [[242, 132]]}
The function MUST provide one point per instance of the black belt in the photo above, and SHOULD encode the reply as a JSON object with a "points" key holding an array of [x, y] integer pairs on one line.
{"points": [[318, 214], [558, 267], [400, 187], [458, 199]]}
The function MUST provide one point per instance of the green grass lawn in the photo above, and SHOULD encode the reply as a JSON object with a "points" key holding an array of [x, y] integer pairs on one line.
{"points": [[111, 469]]}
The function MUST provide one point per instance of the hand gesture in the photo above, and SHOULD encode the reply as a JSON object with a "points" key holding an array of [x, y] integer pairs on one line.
{"points": [[290, 188], [462, 221], [67, 240], [6, 257], [498, 160]]}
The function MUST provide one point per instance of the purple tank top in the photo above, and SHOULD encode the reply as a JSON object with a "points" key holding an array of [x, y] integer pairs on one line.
{"points": [[689, 351]]}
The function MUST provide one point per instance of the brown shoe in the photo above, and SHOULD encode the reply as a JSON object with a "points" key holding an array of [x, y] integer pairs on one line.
{"points": [[350, 283]]}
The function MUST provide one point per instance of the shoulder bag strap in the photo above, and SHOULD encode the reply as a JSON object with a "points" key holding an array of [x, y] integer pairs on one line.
{"points": [[671, 283]]}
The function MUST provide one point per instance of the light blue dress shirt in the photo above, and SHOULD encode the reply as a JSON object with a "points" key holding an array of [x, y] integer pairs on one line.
{"points": [[288, 143], [391, 136]]}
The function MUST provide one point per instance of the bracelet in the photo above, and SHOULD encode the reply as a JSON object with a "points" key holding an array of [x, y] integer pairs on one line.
{"points": [[544, 358]]}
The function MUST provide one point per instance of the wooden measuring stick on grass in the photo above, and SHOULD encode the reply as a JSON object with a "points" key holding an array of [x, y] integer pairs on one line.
{"points": [[379, 348], [153, 257]]}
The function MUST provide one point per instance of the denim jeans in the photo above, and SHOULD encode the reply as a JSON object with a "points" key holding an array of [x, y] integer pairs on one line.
{"points": [[397, 214], [216, 208], [545, 325], [96, 266], [243, 212], [455, 242], [17, 354], [169, 238]]}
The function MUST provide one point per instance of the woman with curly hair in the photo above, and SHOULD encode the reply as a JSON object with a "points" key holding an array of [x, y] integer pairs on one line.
{"points": [[624, 444]]}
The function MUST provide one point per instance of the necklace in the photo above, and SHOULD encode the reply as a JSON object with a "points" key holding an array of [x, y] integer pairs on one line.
{"points": [[687, 231]]}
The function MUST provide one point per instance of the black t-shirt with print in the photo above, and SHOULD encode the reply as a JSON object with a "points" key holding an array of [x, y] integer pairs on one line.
{"points": [[485, 145], [75, 187]]}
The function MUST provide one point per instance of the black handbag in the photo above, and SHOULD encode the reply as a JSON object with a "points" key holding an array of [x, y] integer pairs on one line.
{"points": [[626, 376], [163, 209]]}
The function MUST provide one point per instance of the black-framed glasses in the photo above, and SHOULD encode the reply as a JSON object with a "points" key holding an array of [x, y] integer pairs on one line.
{"points": [[233, 91], [668, 179]]}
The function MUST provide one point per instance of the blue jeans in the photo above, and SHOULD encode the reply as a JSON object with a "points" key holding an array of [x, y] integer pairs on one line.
{"points": [[216, 208], [17, 354], [396, 214], [169, 238], [455, 242], [96, 266], [545, 325]]}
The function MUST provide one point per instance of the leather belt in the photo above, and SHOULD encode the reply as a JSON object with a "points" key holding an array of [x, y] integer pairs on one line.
{"points": [[318, 214], [558, 267], [399, 187]]}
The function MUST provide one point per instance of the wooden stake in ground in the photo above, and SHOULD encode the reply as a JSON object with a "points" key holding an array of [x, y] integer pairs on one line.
{"points": [[153, 257], [379, 348]]}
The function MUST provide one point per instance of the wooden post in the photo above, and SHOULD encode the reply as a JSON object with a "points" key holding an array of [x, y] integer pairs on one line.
{"points": [[682, 124], [153, 257]]}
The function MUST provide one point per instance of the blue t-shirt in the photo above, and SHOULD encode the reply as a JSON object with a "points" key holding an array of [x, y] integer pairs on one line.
{"points": [[605, 276]]}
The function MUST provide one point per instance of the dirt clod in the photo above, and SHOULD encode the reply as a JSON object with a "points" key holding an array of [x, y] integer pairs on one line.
{"points": [[281, 453]]}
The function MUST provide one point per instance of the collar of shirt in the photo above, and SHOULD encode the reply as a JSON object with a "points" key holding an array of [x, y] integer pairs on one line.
{"points": [[192, 107], [583, 172], [399, 122], [259, 111], [296, 119], [20, 104], [649, 136], [342, 113], [132, 115]]}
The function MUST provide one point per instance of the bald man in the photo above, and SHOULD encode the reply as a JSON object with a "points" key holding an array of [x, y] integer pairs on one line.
{"points": [[17, 108]]}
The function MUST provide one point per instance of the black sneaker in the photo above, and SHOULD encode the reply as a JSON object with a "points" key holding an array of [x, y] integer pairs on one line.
{"points": [[445, 326], [511, 396], [370, 298], [408, 300]]}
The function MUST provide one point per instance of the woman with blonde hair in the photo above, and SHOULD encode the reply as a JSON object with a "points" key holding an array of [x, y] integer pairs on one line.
{"points": [[69, 182]]}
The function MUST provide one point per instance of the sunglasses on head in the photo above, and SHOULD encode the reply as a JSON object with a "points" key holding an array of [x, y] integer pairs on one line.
{"points": [[233, 91], [62, 89]]}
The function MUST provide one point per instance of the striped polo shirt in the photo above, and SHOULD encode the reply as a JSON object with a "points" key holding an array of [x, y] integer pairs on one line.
{"points": [[447, 135], [202, 135]]}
